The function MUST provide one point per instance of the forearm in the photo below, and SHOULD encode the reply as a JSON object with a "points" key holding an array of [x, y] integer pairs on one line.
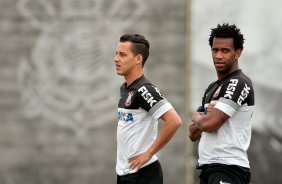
{"points": [[165, 135], [210, 122], [171, 123], [198, 120]]}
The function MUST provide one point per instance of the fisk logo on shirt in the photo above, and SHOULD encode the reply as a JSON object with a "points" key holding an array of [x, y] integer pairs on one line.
{"points": [[125, 116], [245, 92], [147, 96], [231, 88]]}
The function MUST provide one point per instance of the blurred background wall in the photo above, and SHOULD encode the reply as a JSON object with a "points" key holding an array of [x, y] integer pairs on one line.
{"points": [[59, 90]]}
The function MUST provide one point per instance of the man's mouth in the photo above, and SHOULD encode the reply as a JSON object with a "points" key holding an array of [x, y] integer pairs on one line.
{"points": [[219, 64]]}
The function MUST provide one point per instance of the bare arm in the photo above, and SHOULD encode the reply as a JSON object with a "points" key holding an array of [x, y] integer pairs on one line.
{"points": [[194, 131], [172, 122], [209, 122]]}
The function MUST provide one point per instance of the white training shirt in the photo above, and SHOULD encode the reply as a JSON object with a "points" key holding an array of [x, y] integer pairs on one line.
{"points": [[228, 145], [139, 108]]}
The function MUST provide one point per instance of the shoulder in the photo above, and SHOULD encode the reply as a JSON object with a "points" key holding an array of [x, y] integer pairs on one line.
{"points": [[241, 77], [149, 90], [238, 78], [238, 82], [144, 85], [238, 88], [149, 94]]}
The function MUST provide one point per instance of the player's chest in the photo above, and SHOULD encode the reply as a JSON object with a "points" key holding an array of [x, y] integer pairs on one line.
{"points": [[129, 99]]}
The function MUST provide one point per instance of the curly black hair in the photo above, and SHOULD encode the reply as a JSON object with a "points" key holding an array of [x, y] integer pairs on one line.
{"points": [[228, 31]]}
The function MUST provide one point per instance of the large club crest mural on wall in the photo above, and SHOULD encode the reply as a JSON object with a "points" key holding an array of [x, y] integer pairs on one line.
{"points": [[68, 78]]}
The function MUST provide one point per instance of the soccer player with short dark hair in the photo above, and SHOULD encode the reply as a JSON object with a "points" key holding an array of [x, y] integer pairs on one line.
{"points": [[140, 106]]}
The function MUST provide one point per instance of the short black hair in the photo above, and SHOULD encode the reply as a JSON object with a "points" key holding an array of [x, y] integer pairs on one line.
{"points": [[140, 45], [228, 31]]}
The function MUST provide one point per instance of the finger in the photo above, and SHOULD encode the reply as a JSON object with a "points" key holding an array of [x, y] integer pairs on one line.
{"points": [[194, 128], [132, 159], [138, 167], [133, 165]]}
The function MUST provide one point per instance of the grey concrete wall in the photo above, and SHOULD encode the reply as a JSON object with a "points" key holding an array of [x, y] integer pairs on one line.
{"points": [[59, 90], [261, 60]]}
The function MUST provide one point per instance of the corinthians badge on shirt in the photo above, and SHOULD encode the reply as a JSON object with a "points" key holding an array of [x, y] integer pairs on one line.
{"points": [[128, 100], [217, 92]]}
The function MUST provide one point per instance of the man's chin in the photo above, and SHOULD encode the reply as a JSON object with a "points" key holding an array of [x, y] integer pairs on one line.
{"points": [[120, 73], [220, 69]]}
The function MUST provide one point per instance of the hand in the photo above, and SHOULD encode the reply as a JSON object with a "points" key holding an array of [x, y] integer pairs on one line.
{"points": [[139, 160], [197, 116], [194, 132]]}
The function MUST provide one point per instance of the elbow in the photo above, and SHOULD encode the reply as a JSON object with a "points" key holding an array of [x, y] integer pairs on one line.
{"points": [[172, 120], [195, 136], [193, 139], [210, 130], [178, 122], [176, 125]]}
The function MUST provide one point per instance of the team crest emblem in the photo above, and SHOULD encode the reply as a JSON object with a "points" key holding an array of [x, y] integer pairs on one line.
{"points": [[217, 92], [57, 82], [128, 100]]}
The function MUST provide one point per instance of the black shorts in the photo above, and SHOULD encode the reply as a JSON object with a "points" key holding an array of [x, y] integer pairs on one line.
{"points": [[150, 174], [224, 174]]}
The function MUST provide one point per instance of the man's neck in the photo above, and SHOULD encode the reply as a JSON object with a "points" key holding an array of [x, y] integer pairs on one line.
{"points": [[129, 79], [221, 76]]}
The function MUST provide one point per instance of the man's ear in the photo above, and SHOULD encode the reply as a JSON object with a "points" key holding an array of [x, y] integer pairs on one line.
{"points": [[139, 59], [238, 54]]}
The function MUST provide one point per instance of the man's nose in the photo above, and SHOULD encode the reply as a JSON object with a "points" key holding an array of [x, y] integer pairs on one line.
{"points": [[116, 58], [218, 55]]}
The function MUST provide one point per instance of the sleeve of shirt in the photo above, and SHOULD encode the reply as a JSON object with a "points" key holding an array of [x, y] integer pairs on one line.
{"points": [[233, 94], [200, 109], [153, 101]]}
